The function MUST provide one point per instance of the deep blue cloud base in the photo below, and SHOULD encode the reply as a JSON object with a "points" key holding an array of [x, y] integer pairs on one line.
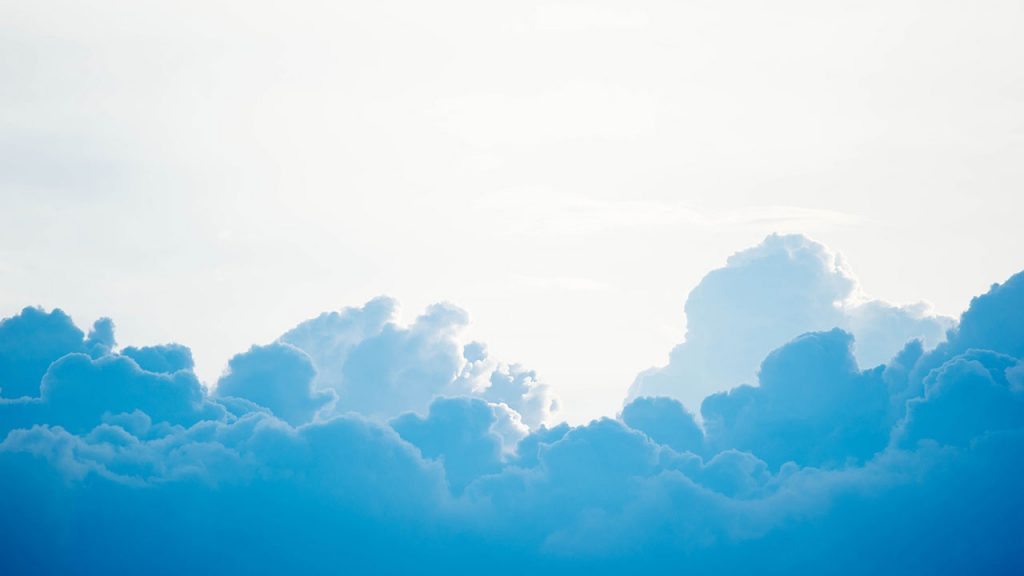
{"points": [[355, 446]]}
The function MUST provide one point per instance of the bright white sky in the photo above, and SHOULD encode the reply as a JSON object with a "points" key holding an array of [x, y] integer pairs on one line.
{"points": [[214, 172]]}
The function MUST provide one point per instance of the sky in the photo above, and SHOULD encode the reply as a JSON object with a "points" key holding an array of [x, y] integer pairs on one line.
{"points": [[214, 173], [547, 288]]}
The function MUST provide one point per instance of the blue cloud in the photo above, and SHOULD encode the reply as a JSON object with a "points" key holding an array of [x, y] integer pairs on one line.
{"points": [[665, 421], [164, 358], [278, 377], [966, 397], [78, 392], [29, 343], [403, 369], [356, 445], [381, 369], [101, 338], [766, 296], [457, 432], [813, 406]]}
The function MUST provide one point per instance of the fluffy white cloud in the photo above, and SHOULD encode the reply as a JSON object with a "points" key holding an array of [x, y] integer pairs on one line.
{"points": [[762, 298], [381, 369]]}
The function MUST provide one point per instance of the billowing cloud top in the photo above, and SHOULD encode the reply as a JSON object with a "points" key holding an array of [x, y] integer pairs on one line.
{"points": [[837, 436], [767, 295]]}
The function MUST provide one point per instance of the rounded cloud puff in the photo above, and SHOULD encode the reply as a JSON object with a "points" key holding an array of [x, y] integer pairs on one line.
{"points": [[278, 377], [29, 343], [381, 369], [665, 421], [762, 298]]}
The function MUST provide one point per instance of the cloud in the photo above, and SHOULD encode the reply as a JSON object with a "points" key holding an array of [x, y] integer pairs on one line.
{"points": [[329, 337], [78, 392], [101, 338], [403, 369], [460, 433], [665, 421], [964, 398], [163, 358], [381, 369], [994, 321], [762, 298], [279, 377], [122, 462], [377, 367], [29, 343], [813, 406], [515, 387], [882, 329], [254, 495]]}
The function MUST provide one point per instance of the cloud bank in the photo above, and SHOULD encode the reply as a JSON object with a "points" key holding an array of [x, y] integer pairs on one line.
{"points": [[353, 444]]}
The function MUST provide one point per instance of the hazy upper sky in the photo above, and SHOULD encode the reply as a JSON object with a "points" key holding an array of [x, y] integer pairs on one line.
{"points": [[215, 172]]}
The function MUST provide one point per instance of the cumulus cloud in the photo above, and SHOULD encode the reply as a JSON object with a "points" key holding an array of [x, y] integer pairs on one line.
{"points": [[460, 433], [120, 461], [78, 392], [163, 358], [666, 421], [404, 368], [762, 298], [279, 377], [329, 337], [509, 384], [382, 369], [965, 397], [29, 343], [813, 406], [101, 339]]}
